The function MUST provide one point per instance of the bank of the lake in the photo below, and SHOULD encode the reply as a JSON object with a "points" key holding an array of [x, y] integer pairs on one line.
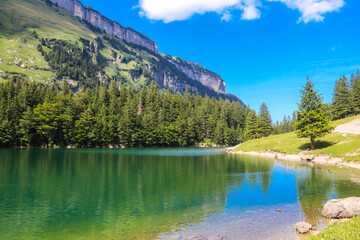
{"points": [[339, 148]]}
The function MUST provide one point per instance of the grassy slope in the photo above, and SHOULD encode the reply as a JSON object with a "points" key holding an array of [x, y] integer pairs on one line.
{"points": [[346, 146], [18, 51], [344, 231]]}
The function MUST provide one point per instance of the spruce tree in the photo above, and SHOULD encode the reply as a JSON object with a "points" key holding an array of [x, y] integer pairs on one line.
{"points": [[355, 93], [251, 125], [341, 101], [312, 121], [265, 122]]}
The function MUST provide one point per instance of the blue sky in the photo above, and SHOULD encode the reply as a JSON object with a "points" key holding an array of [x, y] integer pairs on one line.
{"points": [[263, 49]]}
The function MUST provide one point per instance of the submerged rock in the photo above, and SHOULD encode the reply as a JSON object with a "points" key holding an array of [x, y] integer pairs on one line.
{"points": [[218, 237], [342, 208], [201, 237], [303, 227], [197, 237]]}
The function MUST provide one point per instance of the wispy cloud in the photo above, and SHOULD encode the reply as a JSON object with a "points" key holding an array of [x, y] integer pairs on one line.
{"points": [[226, 16], [312, 10], [177, 10]]}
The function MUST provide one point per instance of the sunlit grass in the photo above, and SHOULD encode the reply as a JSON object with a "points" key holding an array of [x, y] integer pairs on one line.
{"points": [[341, 145], [342, 231]]}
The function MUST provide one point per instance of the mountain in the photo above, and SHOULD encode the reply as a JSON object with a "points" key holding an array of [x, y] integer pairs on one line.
{"points": [[50, 41]]}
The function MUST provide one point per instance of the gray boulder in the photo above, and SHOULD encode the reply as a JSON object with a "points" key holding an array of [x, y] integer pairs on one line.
{"points": [[342, 208], [303, 227]]}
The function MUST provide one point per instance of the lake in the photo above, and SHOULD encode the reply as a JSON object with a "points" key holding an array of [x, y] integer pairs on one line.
{"points": [[161, 194]]}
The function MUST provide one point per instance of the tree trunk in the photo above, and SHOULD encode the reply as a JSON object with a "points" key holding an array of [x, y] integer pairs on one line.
{"points": [[312, 139]]}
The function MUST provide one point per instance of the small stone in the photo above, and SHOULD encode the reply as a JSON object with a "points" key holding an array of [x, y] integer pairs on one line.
{"points": [[197, 237], [218, 237], [303, 227]]}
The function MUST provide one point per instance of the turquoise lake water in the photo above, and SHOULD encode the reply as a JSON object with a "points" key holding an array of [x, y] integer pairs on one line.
{"points": [[161, 194]]}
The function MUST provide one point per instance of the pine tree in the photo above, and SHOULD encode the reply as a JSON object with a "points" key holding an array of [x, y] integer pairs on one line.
{"points": [[251, 125], [311, 120], [355, 93], [265, 122], [341, 101]]}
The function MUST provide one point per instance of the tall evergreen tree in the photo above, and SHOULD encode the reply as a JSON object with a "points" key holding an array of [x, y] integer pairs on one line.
{"points": [[311, 120], [341, 101], [265, 122], [251, 125], [355, 93]]}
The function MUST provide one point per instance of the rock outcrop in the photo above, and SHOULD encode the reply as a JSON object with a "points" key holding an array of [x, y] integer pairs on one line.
{"points": [[165, 80], [198, 73], [99, 21], [303, 227], [342, 208]]}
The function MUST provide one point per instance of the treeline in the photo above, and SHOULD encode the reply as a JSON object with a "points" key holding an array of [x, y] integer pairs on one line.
{"points": [[346, 100], [258, 125], [285, 126], [36, 115], [345, 103]]}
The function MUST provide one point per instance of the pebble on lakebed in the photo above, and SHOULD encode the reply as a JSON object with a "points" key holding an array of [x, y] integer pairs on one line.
{"points": [[201, 237]]}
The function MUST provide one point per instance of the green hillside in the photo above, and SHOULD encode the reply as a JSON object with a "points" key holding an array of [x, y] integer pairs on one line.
{"points": [[345, 146], [32, 31]]}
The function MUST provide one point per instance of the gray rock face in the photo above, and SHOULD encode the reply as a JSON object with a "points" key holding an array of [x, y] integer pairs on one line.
{"points": [[198, 73], [303, 227], [193, 71], [168, 81], [342, 208], [97, 20]]}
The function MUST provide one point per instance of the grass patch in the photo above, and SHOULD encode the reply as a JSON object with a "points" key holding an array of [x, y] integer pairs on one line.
{"points": [[342, 231], [346, 146]]}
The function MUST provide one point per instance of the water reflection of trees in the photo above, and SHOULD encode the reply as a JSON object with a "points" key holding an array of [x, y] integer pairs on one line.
{"points": [[314, 188], [317, 185], [105, 194]]}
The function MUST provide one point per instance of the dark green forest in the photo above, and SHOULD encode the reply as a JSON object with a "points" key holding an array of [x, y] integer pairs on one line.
{"points": [[33, 114], [36, 115]]}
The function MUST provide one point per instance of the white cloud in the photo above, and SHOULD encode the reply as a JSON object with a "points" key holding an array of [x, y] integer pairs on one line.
{"points": [[176, 10], [312, 10], [172, 10], [250, 10]]}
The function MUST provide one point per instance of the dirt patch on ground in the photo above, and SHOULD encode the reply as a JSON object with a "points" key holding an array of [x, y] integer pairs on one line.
{"points": [[351, 127]]}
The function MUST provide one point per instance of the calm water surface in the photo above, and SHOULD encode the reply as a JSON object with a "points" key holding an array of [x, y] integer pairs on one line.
{"points": [[160, 194]]}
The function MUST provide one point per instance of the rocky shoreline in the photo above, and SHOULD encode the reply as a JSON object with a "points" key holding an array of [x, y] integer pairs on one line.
{"points": [[336, 210], [321, 159]]}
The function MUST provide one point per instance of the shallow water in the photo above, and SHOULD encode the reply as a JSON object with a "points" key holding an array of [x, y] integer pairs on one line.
{"points": [[160, 193]]}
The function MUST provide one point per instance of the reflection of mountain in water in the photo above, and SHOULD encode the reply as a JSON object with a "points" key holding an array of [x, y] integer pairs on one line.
{"points": [[103, 194]]}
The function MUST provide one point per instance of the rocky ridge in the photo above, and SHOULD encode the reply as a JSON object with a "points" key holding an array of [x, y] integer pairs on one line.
{"points": [[92, 16], [193, 71]]}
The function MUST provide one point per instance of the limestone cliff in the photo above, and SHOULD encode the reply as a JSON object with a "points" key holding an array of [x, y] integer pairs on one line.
{"points": [[99, 21], [193, 71], [198, 73]]}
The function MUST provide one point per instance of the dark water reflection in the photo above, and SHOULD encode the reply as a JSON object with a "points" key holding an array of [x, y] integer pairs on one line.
{"points": [[159, 193]]}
